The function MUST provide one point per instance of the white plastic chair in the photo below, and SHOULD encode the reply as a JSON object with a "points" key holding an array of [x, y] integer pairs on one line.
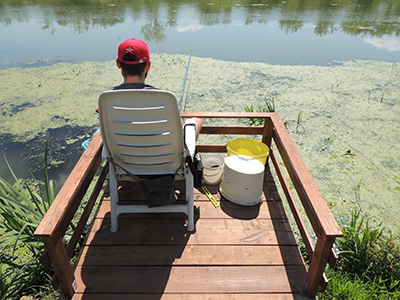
{"points": [[142, 133]]}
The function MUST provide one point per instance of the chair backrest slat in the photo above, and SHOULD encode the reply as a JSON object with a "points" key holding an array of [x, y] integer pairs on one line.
{"points": [[141, 122]]}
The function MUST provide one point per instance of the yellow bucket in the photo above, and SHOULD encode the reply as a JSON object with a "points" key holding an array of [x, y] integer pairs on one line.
{"points": [[248, 147]]}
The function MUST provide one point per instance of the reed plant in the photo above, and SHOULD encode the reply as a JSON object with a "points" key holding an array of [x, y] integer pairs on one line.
{"points": [[269, 106], [298, 121], [22, 207]]}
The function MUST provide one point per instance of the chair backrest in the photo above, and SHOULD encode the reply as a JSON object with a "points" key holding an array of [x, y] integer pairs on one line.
{"points": [[142, 130]]}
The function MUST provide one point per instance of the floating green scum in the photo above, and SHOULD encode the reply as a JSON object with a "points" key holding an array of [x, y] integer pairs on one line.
{"points": [[348, 134]]}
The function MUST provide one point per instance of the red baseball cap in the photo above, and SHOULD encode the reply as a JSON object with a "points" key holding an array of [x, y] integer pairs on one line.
{"points": [[136, 47]]}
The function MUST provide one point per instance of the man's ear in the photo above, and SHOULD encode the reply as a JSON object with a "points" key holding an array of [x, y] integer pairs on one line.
{"points": [[148, 65], [118, 63]]}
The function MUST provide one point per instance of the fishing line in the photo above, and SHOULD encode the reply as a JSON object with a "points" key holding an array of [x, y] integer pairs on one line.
{"points": [[184, 81]]}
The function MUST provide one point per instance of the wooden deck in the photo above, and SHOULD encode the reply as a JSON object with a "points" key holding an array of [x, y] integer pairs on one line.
{"points": [[236, 252]]}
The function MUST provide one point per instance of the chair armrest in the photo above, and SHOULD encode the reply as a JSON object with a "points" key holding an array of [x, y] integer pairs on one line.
{"points": [[190, 136]]}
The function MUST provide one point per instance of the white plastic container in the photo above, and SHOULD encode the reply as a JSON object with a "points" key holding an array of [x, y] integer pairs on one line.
{"points": [[212, 168], [243, 178]]}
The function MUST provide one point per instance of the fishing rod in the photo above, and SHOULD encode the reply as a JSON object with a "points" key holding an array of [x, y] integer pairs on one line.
{"points": [[184, 81], [186, 98]]}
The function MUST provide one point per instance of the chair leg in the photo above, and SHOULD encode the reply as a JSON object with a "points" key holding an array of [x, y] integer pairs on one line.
{"points": [[190, 200], [190, 226], [113, 201]]}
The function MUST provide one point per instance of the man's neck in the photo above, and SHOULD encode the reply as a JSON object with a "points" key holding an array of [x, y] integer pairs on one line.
{"points": [[133, 79]]}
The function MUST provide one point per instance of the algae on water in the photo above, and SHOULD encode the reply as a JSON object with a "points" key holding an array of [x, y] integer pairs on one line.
{"points": [[348, 134]]}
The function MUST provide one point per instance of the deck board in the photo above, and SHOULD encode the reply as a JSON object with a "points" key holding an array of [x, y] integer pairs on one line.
{"points": [[236, 252]]}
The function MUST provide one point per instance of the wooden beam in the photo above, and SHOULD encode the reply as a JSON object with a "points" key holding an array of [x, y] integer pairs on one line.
{"points": [[60, 261], [224, 129], [318, 263], [268, 132], [211, 148], [226, 115]]}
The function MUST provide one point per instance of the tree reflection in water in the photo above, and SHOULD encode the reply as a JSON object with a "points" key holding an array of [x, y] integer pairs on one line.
{"points": [[354, 17]]}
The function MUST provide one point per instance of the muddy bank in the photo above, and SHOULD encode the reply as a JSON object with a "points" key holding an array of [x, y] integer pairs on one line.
{"points": [[343, 118]]}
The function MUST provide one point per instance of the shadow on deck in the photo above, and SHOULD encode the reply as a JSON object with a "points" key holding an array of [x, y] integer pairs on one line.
{"points": [[236, 252]]}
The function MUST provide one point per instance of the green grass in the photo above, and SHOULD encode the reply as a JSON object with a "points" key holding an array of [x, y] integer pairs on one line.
{"points": [[368, 264], [343, 286]]}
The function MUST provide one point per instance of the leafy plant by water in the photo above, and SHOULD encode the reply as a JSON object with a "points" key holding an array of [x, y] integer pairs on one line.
{"points": [[368, 264], [366, 251], [22, 207], [356, 245], [269, 106]]}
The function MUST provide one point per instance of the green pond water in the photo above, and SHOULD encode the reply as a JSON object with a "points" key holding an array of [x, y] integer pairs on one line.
{"points": [[348, 132]]}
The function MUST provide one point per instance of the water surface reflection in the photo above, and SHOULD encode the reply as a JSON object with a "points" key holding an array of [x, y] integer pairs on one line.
{"points": [[316, 32]]}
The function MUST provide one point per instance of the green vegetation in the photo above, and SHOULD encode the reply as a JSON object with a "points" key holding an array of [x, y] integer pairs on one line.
{"points": [[22, 207], [298, 121], [368, 264], [269, 106]]}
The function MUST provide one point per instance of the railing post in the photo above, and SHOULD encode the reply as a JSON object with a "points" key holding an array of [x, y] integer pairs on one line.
{"points": [[320, 258], [268, 131], [60, 261]]}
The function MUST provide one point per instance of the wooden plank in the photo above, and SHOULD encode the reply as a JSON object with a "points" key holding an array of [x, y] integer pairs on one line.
{"points": [[211, 148], [60, 261], [173, 232], [268, 132], [242, 279], [163, 296], [132, 187], [249, 130], [207, 210], [315, 275], [226, 115], [190, 255]]}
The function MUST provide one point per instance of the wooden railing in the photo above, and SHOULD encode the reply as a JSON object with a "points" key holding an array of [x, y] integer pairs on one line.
{"points": [[60, 214], [323, 223], [58, 218]]}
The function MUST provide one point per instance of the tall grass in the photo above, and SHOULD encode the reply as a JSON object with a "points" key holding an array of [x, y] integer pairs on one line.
{"points": [[269, 106], [366, 252], [368, 264], [22, 207], [343, 286]]}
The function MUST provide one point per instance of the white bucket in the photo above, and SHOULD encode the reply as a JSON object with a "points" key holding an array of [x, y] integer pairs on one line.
{"points": [[243, 179], [212, 168]]}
